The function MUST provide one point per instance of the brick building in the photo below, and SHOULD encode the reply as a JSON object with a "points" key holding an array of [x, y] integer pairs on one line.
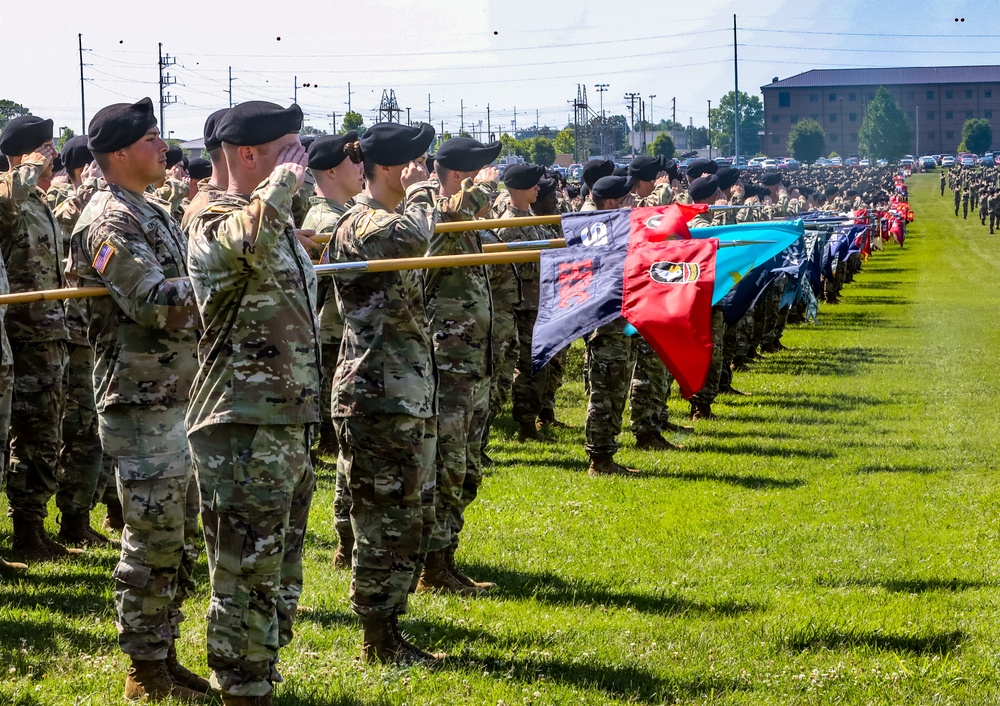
{"points": [[936, 99]]}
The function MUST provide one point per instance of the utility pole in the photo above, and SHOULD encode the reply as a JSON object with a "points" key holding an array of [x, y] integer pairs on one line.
{"points": [[461, 116], [230, 91], [710, 133], [673, 120], [83, 100], [632, 98], [602, 89], [536, 121], [333, 122], [348, 96], [165, 80], [408, 117], [642, 121], [429, 109], [514, 122], [295, 90], [736, 98], [489, 125]]}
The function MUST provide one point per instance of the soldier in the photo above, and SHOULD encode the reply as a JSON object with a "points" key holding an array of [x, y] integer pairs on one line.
{"points": [[384, 389], [650, 182], [941, 178], [255, 402], [335, 161], [218, 181], [31, 242], [608, 356], [460, 312], [144, 338], [705, 190], [958, 196], [593, 170], [965, 203], [6, 390], [175, 187], [528, 389]]}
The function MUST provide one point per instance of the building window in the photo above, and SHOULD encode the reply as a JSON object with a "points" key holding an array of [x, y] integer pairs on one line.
{"points": [[795, 119], [813, 97], [814, 117], [775, 119], [988, 93], [833, 97], [968, 114], [774, 139], [909, 96], [852, 97], [949, 95], [930, 95], [968, 94], [949, 135], [988, 114], [930, 114], [871, 96], [784, 99], [833, 117], [930, 135], [853, 117], [949, 115], [833, 138]]}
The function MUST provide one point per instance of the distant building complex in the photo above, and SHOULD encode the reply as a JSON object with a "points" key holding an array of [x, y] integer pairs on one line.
{"points": [[936, 99]]}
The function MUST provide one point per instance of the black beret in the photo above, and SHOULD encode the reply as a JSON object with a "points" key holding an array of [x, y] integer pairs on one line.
{"points": [[727, 177], [612, 187], [24, 134], [620, 171], [771, 179], [851, 193], [117, 126], [671, 168], [306, 140], [464, 154], [75, 153], [430, 163], [174, 155], [199, 169], [701, 166], [645, 168], [257, 123], [594, 169], [572, 191], [392, 144], [4, 163], [546, 187], [211, 125], [522, 176], [584, 191], [328, 151], [703, 187], [831, 190]]}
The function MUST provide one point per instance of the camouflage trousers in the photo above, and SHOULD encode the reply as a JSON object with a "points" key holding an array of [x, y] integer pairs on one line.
{"points": [[773, 321], [81, 457], [35, 427], [389, 461], [155, 484], [528, 390], [327, 433], [257, 484], [554, 380], [505, 350], [608, 357], [735, 347], [463, 405], [708, 391], [6, 393], [650, 389]]}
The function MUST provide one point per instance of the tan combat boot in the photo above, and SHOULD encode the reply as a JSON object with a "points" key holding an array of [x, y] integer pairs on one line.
{"points": [[527, 431], [150, 679], [430, 658], [383, 644], [115, 521], [436, 577], [75, 530], [460, 576], [605, 465], [184, 676], [342, 557], [11, 567], [28, 543]]}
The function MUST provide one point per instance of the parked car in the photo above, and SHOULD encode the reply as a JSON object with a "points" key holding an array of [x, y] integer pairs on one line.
{"points": [[987, 160], [789, 163], [928, 162], [769, 164], [947, 161], [968, 162], [864, 163], [851, 162]]}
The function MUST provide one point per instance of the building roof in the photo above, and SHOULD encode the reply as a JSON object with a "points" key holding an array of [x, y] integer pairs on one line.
{"points": [[820, 78]]}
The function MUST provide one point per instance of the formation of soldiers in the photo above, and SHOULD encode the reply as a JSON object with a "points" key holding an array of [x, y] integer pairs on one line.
{"points": [[220, 370], [974, 188]]}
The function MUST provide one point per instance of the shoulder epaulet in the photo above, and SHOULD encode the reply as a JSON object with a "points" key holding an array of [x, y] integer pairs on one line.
{"points": [[374, 221]]}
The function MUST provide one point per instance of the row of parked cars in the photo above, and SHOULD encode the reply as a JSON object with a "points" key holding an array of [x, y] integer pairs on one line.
{"points": [[965, 159]]}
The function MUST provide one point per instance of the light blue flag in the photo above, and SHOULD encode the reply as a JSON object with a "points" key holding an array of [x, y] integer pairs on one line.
{"points": [[734, 263]]}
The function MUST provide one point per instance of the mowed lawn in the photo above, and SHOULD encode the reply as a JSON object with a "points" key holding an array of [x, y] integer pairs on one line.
{"points": [[831, 539]]}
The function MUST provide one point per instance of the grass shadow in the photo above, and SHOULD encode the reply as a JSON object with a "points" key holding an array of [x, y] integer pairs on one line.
{"points": [[840, 362], [898, 467], [753, 447], [907, 585], [748, 482], [834, 638]]}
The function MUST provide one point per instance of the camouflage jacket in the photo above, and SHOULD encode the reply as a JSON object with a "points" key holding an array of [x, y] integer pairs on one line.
{"points": [[458, 299], [67, 213], [171, 197], [144, 335], [31, 242], [527, 272], [505, 290], [207, 191], [58, 193], [6, 357], [259, 354], [386, 361], [660, 196], [322, 217], [702, 220]]}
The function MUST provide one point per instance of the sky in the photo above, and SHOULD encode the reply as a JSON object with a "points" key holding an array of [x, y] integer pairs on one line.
{"points": [[525, 60]]}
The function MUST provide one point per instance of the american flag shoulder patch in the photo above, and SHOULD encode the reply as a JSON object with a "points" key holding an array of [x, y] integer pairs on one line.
{"points": [[103, 256]]}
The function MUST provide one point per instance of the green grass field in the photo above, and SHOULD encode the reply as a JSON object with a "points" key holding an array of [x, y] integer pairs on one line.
{"points": [[831, 539]]}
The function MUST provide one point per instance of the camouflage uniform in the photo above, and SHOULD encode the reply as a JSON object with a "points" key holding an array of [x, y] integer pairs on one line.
{"points": [[384, 394], [31, 242], [6, 371], [254, 405], [207, 191], [609, 352], [649, 390], [171, 197], [144, 338], [706, 395], [528, 389], [505, 290], [460, 313]]}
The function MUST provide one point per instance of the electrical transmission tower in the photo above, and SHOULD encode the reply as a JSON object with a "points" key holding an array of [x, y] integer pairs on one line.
{"points": [[165, 80], [581, 124], [389, 110]]}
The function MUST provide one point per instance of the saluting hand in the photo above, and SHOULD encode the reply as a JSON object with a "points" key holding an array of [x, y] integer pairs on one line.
{"points": [[487, 174], [662, 178], [44, 155], [413, 173], [294, 158], [91, 171]]}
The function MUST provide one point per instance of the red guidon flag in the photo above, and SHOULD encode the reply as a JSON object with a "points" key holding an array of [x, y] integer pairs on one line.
{"points": [[657, 223], [668, 298]]}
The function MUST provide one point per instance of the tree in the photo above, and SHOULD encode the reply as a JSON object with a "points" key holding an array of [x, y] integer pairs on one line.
{"points": [[751, 122], [10, 110], [310, 130], [806, 141], [564, 142], [977, 136], [542, 151], [663, 145], [352, 121], [67, 134], [885, 132], [699, 136]]}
